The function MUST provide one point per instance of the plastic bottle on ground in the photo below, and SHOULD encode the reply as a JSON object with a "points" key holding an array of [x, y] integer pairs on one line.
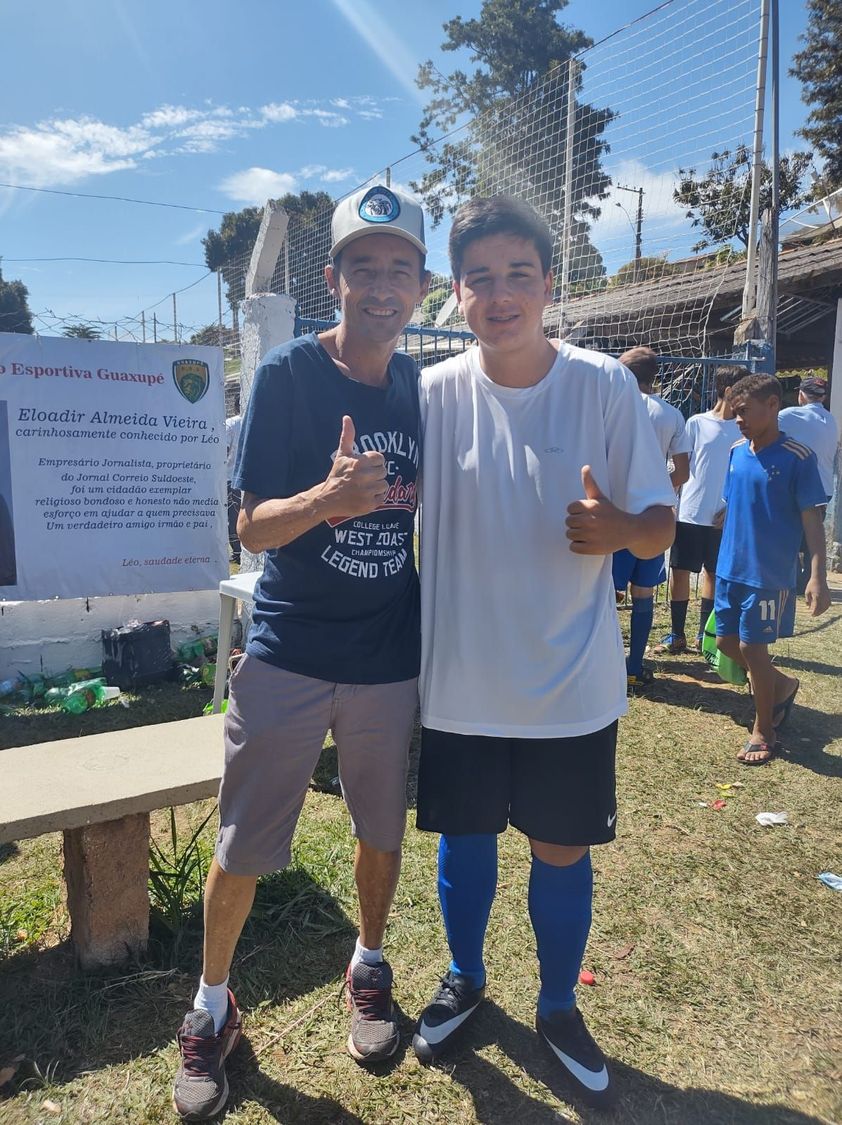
{"points": [[90, 693]]}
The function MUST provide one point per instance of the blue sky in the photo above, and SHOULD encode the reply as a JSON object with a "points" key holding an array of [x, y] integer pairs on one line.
{"points": [[212, 105]]}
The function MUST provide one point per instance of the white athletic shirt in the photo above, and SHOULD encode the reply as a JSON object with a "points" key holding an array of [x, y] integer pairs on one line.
{"points": [[519, 635], [711, 438], [816, 428], [669, 426]]}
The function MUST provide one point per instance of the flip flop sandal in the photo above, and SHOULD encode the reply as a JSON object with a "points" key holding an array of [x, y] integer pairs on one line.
{"points": [[754, 747], [784, 708]]}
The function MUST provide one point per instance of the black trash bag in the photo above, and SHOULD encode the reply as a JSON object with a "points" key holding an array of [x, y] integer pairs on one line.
{"points": [[137, 654]]}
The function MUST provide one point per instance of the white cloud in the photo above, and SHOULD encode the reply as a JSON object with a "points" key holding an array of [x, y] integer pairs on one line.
{"points": [[205, 136], [658, 205], [256, 185], [326, 117], [279, 112], [169, 116], [63, 151], [192, 234], [69, 150], [336, 175]]}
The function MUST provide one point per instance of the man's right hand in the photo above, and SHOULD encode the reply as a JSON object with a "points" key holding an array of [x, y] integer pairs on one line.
{"points": [[357, 483]]}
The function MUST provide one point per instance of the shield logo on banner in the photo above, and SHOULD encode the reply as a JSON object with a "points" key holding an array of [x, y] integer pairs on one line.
{"points": [[192, 377]]}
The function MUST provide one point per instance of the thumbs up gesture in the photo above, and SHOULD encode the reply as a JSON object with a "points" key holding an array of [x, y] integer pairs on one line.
{"points": [[595, 526], [356, 484]]}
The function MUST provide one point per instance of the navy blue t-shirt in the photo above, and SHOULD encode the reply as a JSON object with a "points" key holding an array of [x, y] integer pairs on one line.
{"points": [[341, 602], [765, 493]]}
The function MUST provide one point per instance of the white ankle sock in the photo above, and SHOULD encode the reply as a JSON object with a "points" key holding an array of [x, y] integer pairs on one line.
{"points": [[368, 956], [213, 998]]}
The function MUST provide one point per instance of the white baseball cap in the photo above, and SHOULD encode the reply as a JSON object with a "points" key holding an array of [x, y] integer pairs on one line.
{"points": [[377, 210]]}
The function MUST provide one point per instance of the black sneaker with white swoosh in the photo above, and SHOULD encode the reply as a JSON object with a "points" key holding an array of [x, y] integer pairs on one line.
{"points": [[455, 1001], [581, 1060]]}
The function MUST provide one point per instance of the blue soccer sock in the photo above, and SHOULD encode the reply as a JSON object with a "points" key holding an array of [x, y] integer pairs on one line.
{"points": [[641, 626], [560, 910], [467, 886]]}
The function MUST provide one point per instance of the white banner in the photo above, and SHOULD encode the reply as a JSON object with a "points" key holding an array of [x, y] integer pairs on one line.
{"points": [[112, 468]]}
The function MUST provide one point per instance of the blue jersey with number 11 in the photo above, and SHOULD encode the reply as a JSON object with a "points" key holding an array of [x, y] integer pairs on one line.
{"points": [[765, 494]]}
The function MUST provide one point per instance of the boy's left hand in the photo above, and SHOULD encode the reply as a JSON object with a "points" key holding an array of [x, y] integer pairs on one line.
{"points": [[817, 596], [595, 526]]}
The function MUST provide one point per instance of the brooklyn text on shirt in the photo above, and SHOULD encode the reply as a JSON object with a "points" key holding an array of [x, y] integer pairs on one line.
{"points": [[391, 442]]}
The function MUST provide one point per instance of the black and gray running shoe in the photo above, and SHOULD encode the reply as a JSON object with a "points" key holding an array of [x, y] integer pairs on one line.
{"points": [[374, 1025], [455, 1001], [582, 1062], [201, 1086]]}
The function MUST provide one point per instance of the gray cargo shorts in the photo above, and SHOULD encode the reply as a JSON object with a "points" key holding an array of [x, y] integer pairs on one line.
{"points": [[275, 727]]}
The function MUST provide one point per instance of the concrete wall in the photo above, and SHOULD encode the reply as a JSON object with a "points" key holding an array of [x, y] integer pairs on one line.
{"points": [[51, 636], [268, 320]]}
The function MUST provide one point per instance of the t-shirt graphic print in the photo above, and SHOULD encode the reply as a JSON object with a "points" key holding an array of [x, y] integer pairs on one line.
{"points": [[341, 602]]}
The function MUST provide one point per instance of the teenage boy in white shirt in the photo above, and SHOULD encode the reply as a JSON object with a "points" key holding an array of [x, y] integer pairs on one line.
{"points": [[538, 465], [701, 512], [645, 574]]}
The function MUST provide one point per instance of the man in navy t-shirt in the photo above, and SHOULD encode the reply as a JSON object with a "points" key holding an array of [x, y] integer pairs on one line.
{"points": [[328, 461], [772, 493]]}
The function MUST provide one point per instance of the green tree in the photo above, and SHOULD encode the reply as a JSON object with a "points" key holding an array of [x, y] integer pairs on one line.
{"points": [[14, 307], [646, 269], [432, 305], [229, 250], [515, 104], [720, 201], [207, 336], [440, 289], [818, 68], [82, 331]]}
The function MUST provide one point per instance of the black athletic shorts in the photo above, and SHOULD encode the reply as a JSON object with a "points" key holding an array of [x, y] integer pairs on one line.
{"points": [[695, 546], [555, 790]]}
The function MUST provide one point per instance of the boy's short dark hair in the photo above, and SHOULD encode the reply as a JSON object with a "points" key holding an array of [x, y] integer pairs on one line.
{"points": [[483, 216], [757, 386], [725, 377], [643, 364]]}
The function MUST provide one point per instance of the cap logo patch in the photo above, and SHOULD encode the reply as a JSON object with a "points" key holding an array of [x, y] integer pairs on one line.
{"points": [[379, 205]]}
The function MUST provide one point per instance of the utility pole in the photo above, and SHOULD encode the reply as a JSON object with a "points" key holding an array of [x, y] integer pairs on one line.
{"points": [[155, 327], [143, 325], [174, 321], [638, 232], [219, 306], [567, 232], [750, 287]]}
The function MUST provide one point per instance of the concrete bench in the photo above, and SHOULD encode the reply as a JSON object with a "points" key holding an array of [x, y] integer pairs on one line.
{"points": [[99, 790]]}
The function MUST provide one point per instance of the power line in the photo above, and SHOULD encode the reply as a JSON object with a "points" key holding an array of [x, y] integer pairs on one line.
{"points": [[111, 262], [115, 198]]}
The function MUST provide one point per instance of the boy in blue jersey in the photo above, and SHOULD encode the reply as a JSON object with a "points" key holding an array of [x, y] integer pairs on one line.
{"points": [[772, 492]]}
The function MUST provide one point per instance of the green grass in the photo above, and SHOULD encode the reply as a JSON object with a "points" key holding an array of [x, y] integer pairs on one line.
{"points": [[714, 946]]}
